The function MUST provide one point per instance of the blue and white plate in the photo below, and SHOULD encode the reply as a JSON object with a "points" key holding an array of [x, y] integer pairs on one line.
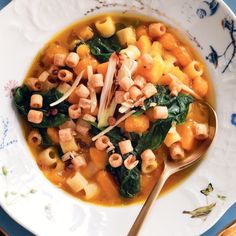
{"points": [[27, 196]]}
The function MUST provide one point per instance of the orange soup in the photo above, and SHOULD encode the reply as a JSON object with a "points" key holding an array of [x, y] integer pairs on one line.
{"points": [[107, 100]]}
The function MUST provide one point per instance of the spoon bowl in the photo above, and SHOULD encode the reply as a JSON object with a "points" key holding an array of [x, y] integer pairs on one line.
{"points": [[171, 167]]}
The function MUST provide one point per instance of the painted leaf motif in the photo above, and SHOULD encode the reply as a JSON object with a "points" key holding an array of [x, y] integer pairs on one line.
{"points": [[221, 197], [201, 13], [213, 7], [213, 57], [201, 211]]}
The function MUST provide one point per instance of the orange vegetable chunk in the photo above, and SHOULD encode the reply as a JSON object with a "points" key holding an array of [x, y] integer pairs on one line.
{"points": [[137, 124], [187, 136], [107, 184], [99, 158]]}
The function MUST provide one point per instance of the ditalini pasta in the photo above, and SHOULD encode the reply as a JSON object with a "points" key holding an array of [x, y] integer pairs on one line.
{"points": [[107, 100]]}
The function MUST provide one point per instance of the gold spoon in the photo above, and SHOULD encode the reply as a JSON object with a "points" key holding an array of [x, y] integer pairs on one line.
{"points": [[171, 167]]}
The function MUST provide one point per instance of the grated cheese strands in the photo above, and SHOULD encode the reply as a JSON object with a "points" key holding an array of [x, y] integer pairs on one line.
{"points": [[70, 91], [90, 72], [93, 95], [106, 90], [123, 109], [185, 87], [113, 126]]}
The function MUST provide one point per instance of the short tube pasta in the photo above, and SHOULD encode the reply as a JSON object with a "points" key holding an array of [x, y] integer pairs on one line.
{"points": [[82, 91], [59, 59], [91, 190], [131, 52], [65, 75], [201, 131], [63, 87], [77, 182], [74, 111], [105, 27], [126, 36], [43, 76], [148, 156], [194, 69], [176, 151], [35, 116], [50, 83], [125, 147], [172, 137], [36, 101], [33, 84], [102, 143], [130, 162], [115, 160], [156, 30], [34, 138], [148, 167], [48, 157], [69, 146], [72, 59]]}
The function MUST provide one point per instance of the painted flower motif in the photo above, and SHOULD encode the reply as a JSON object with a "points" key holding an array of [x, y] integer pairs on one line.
{"points": [[213, 57], [11, 84], [233, 119], [207, 8], [230, 50], [4, 133]]}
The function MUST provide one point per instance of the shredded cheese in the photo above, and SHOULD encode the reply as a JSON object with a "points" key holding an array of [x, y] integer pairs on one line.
{"points": [[69, 92], [185, 87], [113, 126], [93, 95], [106, 90]]}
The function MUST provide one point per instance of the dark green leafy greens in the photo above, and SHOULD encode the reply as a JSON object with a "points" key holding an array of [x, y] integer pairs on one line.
{"points": [[114, 135], [155, 136], [128, 180], [177, 105], [21, 98], [52, 117], [102, 48], [46, 141]]}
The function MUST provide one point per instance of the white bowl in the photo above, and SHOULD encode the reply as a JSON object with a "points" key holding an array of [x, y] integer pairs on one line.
{"points": [[27, 196]]}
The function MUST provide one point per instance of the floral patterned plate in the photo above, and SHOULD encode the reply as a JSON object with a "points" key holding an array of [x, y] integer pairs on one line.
{"points": [[35, 203]]}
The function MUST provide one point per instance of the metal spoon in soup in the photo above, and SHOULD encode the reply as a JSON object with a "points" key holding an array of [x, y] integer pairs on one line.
{"points": [[171, 167]]}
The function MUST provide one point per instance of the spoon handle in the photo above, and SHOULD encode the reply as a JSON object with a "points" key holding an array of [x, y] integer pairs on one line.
{"points": [[148, 204]]}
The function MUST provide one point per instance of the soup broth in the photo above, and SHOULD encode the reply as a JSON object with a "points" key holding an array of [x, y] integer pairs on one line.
{"points": [[65, 139]]}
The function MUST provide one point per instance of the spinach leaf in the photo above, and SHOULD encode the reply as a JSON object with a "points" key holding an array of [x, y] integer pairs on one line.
{"points": [[128, 180], [102, 48], [52, 121], [114, 135], [21, 99], [52, 96], [130, 184], [178, 109], [177, 105], [155, 136], [46, 141]]}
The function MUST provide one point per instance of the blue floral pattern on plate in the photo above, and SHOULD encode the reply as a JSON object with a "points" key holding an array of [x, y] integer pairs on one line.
{"points": [[207, 8], [4, 135], [213, 57], [233, 119]]}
